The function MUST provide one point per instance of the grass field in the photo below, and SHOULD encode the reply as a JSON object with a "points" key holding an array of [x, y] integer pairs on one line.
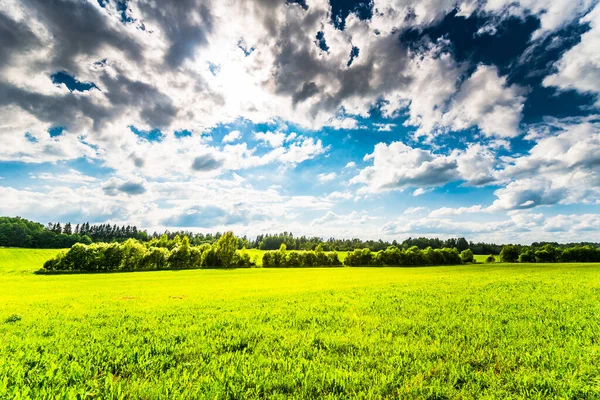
{"points": [[480, 258], [474, 331], [23, 261]]}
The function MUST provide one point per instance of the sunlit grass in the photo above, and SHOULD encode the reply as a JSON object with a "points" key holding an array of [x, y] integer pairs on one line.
{"points": [[474, 331], [14, 260]]}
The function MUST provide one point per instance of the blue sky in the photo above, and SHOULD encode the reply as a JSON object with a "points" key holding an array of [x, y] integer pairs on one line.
{"points": [[381, 119]]}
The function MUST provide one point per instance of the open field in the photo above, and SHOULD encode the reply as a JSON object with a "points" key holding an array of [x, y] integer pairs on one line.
{"points": [[480, 258], [494, 331], [13, 260]]}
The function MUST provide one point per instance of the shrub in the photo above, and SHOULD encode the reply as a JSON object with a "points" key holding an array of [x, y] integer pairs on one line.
{"points": [[113, 257], [133, 252], [334, 259], [546, 254], [180, 256], [467, 256], [155, 258], [490, 259], [527, 256], [509, 253]]}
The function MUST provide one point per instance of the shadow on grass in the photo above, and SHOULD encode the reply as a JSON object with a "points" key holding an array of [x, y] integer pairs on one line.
{"points": [[43, 271]]}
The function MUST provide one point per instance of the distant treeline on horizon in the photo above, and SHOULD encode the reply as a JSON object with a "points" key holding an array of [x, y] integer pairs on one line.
{"points": [[20, 232]]}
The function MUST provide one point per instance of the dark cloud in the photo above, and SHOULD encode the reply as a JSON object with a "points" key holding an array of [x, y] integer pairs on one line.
{"points": [[14, 38], [79, 28], [206, 162], [157, 109], [137, 161], [65, 110], [308, 90], [128, 187], [184, 32]]}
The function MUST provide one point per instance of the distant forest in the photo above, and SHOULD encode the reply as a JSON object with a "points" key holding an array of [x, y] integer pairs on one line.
{"points": [[20, 232]]}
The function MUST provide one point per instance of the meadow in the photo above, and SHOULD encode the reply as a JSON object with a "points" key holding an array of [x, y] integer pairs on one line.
{"points": [[471, 331]]}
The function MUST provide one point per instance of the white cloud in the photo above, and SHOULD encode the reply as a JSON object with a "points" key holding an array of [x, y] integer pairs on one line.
{"points": [[447, 211], [579, 67], [331, 218], [485, 100], [232, 136], [274, 139], [344, 123], [326, 177], [72, 176], [384, 127], [397, 166], [414, 210], [420, 192]]}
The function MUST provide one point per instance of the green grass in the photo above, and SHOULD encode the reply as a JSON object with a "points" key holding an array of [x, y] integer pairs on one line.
{"points": [[23, 260], [480, 258], [475, 331]]}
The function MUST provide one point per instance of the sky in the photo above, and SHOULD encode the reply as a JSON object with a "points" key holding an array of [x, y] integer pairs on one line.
{"points": [[382, 119]]}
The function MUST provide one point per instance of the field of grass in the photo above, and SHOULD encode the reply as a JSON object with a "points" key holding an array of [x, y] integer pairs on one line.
{"points": [[23, 260], [480, 258], [475, 331]]}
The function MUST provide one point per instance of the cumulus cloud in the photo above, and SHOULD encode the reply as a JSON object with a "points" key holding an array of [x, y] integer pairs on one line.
{"points": [[274, 139], [192, 66], [232, 136], [447, 211], [420, 192], [326, 177], [398, 166], [579, 67], [487, 101], [206, 162], [116, 186], [331, 218]]}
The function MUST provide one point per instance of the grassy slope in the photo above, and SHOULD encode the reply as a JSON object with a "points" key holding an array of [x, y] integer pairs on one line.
{"points": [[13, 260], [496, 331]]}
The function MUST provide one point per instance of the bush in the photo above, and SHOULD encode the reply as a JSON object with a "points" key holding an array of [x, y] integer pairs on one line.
{"points": [[527, 256], [133, 252], [509, 253], [180, 256], [467, 256], [155, 258], [490, 259]]}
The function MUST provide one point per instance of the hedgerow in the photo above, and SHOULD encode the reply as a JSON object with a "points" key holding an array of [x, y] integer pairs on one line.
{"points": [[393, 256], [132, 255]]}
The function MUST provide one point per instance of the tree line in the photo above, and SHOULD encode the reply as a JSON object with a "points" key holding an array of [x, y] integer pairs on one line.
{"points": [[274, 242], [20, 232], [391, 256], [178, 253], [549, 253], [133, 255]]}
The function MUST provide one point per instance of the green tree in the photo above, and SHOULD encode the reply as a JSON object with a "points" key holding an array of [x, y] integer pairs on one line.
{"points": [[181, 255], [509, 253], [467, 256], [226, 247]]}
